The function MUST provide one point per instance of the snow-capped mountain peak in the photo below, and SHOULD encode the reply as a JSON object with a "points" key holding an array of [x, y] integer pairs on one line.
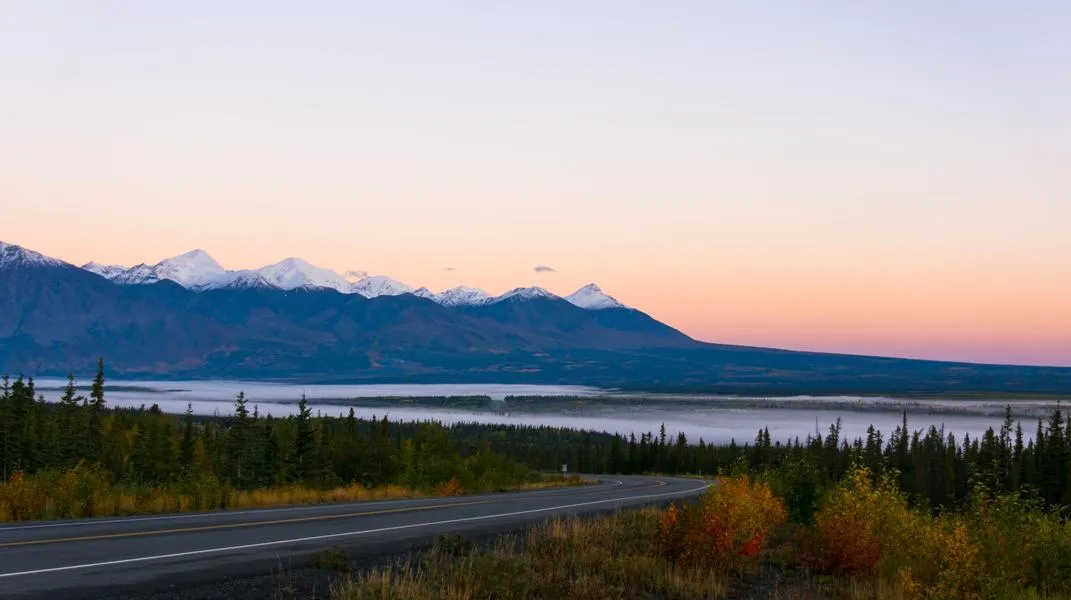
{"points": [[354, 276], [291, 273], [592, 297], [245, 280], [426, 294], [525, 293], [139, 274], [17, 256], [463, 296], [195, 269], [105, 271], [379, 285], [192, 269]]}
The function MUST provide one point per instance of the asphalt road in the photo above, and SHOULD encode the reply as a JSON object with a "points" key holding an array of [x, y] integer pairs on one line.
{"points": [[90, 557]]}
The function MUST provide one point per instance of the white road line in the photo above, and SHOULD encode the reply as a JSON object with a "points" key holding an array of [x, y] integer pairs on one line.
{"points": [[305, 507], [344, 534]]}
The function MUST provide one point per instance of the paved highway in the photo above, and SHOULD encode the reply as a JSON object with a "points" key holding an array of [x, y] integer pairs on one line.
{"points": [[88, 557]]}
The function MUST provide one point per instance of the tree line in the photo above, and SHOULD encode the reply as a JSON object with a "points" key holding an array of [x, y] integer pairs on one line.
{"points": [[248, 450]]}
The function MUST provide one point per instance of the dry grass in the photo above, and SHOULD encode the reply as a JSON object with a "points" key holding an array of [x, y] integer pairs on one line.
{"points": [[579, 559], [84, 492]]}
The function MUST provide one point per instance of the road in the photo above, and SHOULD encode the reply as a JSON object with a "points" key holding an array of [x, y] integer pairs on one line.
{"points": [[90, 557]]}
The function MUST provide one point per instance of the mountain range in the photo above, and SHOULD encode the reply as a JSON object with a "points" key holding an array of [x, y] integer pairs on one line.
{"points": [[188, 317], [197, 270]]}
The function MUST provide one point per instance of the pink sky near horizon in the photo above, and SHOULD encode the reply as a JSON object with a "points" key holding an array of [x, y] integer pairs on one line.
{"points": [[886, 180]]}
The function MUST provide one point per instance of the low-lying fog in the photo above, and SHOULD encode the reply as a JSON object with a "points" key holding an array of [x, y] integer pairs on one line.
{"points": [[716, 419]]}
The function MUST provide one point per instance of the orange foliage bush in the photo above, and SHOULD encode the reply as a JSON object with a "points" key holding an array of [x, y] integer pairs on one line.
{"points": [[451, 488], [727, 528], [856, 522], [844, 544]]}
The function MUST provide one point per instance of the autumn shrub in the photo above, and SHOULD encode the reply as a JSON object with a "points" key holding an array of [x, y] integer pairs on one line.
{"points": [[1001, 547], [860, 524], [726, 529], [452, 487]]}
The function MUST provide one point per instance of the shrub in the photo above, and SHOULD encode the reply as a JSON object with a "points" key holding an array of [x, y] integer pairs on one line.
{"points": [[726, 529], [857, 523], [998, 549], [451, 488]]}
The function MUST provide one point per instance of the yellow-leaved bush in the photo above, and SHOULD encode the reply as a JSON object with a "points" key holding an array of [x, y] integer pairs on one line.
{"points": [[727, 528], [995, 548]]}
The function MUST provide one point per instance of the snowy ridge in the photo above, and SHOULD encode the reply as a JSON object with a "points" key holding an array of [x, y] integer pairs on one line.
{"points": [[249, 280], [292, 273], [194, 269], [17, 256], [525, 293], [426, 294], [592, 297], [142, 274], [373, 286], [198, 271], [105, 271], [463, 296]]}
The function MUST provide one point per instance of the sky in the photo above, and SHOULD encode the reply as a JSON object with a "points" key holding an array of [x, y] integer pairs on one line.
{"points": [[886, 178]]}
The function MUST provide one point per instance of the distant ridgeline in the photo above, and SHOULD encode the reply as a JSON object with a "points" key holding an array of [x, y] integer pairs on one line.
{"points": [[56, 318]]}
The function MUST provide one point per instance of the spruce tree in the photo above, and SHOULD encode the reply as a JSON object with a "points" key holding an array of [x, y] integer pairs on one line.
{"points": [[302, 460], [95, 422], [187, 445]]}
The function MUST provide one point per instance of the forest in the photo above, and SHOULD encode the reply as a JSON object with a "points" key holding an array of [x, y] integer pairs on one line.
{"points": [[78, 457], [143, 457]]}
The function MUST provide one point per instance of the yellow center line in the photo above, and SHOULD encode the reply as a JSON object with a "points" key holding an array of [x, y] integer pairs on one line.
{"points": [[111, 536]]}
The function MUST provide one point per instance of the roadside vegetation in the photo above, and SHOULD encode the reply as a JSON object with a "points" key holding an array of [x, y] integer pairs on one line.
{"points": [[919, 515], [864, 540]]}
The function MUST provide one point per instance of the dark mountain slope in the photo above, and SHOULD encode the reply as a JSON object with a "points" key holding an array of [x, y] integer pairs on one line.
{"points": [[570, 326]]}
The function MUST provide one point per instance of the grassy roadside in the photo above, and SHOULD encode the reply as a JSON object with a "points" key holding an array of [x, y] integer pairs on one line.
{"points": [[86, 493], [603, 557], [864, 542]]}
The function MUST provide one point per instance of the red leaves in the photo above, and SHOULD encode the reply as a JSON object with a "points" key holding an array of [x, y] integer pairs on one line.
{"points": [[728, 528], [844, 545]]}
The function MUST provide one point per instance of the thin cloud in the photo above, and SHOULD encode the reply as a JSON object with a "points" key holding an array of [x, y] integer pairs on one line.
{"points": [[544, 269], [449, 269], [354, 276]]}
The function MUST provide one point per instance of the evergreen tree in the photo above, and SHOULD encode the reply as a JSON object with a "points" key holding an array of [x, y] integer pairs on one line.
{"points": [[188, 445], [302, 460], [94, 425], [7, 423]]}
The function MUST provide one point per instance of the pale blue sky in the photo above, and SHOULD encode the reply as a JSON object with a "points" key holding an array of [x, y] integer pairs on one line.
{"points": [[868, 177]]}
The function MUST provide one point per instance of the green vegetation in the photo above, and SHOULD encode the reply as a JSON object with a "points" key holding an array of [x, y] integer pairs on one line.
{"points": [[77, 458]]}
